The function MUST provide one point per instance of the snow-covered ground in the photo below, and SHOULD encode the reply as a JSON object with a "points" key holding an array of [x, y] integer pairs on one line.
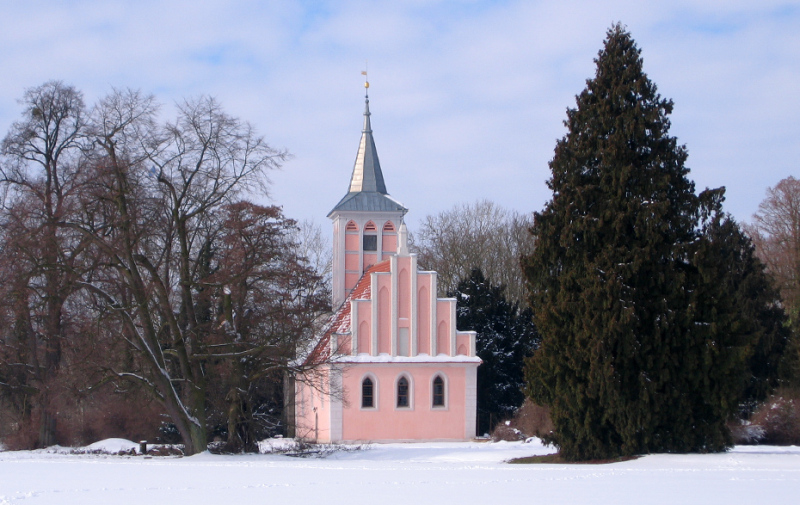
{"points": [[414, 474]]}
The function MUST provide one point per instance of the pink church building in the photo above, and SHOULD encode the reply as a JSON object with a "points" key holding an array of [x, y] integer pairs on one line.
{"points": [[400, 370]]}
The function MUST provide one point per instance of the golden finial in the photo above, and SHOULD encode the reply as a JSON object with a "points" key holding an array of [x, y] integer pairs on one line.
{"points": [[366, 80]]}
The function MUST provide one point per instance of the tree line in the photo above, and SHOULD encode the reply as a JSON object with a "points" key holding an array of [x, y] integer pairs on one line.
{"points": [[132, 262]]}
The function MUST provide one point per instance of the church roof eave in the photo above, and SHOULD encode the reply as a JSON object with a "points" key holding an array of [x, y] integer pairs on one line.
{"points": [[368, 201]]}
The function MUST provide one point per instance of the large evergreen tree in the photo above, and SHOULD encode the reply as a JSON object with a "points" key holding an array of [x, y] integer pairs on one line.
{"points": [[639, 352], [506, 335]]}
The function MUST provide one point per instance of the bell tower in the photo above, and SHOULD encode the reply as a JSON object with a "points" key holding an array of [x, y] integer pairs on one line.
{"points": [[366, 222]]}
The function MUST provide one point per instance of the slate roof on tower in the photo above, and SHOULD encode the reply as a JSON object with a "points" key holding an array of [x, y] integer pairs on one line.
{"points": [[367, 190]]}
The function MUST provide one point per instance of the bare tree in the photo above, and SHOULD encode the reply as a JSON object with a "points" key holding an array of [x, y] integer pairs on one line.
{"points": [[155, 206], [482, 235], [42, 176], [268, 297], [313, 245], [776, 233]]}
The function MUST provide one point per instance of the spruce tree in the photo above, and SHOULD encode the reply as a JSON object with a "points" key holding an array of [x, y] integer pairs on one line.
{"points": [[633, 358], [506, 335]]}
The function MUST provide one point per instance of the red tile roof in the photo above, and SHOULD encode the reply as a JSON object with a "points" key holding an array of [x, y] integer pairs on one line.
{"points": [[340, 322]]}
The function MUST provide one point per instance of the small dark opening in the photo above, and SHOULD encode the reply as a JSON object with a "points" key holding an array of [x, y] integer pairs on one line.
{"points": [[402, 392], [366, 393], [438, 392], [370, 242]]}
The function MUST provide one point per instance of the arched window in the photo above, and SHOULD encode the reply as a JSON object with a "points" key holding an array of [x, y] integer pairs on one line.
{"points": [[388, 227], [367, 394], [402, 392], [370, 226], [351, 226], [438, 392]]}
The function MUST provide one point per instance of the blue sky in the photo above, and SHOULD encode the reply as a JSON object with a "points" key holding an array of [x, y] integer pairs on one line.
{"points": [[467, 95]]}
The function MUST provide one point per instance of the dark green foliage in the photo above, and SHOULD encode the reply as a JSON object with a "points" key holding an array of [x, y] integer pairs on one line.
{"points": [[641, 348], [505, 336], [754, 306]]}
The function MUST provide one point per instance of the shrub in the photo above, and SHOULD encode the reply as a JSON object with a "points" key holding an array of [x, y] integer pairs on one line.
{"points": [[532, 419], [779, 417]]}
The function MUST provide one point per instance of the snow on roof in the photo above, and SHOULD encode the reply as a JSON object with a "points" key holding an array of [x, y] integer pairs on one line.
{"points": [[340, 322], [419, 358]]}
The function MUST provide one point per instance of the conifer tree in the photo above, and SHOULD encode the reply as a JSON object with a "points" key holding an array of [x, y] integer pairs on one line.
{"points": [[506, 335], [728, 255], [635, 357]]}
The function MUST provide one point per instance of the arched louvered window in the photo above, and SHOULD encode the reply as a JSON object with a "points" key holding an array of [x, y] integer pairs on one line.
{"points": [[402, 392], [367, 393], [370, 242], [438, 391]]}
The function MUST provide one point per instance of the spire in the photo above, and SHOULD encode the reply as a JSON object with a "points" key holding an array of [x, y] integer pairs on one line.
{"points": [[402, 242], [367, 191], [367, 175]]}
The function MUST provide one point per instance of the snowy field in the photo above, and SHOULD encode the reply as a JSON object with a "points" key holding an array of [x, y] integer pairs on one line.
{"points": [[409, 474]]}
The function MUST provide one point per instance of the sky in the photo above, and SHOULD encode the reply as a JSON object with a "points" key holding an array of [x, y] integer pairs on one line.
{"points": [[468, 97]]}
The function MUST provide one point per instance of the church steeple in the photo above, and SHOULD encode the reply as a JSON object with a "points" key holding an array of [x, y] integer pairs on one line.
{"points": [[366, 221], [367, 191], [367, 175]]}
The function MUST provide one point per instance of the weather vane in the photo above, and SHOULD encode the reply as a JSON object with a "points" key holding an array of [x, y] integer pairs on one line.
{"points": [[364, 73]]}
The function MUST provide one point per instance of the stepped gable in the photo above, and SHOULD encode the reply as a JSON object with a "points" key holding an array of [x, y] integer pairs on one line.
{"points": [[340, 321]]}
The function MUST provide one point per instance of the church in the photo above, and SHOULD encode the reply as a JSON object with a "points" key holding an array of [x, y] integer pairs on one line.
{"points": [[397, 369]]}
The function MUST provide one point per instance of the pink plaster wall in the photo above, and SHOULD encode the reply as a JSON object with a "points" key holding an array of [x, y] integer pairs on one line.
{"points": [[424, 314], [351, 261], [384, 317], [404, 293], [344, 344], [442, 340], [443, 327], [350, 280], [421, 420], [389, 243], [305, 415], [462, 343], [364, 340]]}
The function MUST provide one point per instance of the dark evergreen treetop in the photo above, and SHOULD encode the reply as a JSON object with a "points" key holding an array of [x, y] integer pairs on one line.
{"points": [[632, 358], [506, 335]]}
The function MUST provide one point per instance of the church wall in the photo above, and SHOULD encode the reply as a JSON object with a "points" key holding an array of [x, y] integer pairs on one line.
{"points": [[443, 329], [369, 260], [464, 343], [351, 241], [351, 262], [364, 325], [384, 314], [420, 421], [313, 424], [424, 313]]}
